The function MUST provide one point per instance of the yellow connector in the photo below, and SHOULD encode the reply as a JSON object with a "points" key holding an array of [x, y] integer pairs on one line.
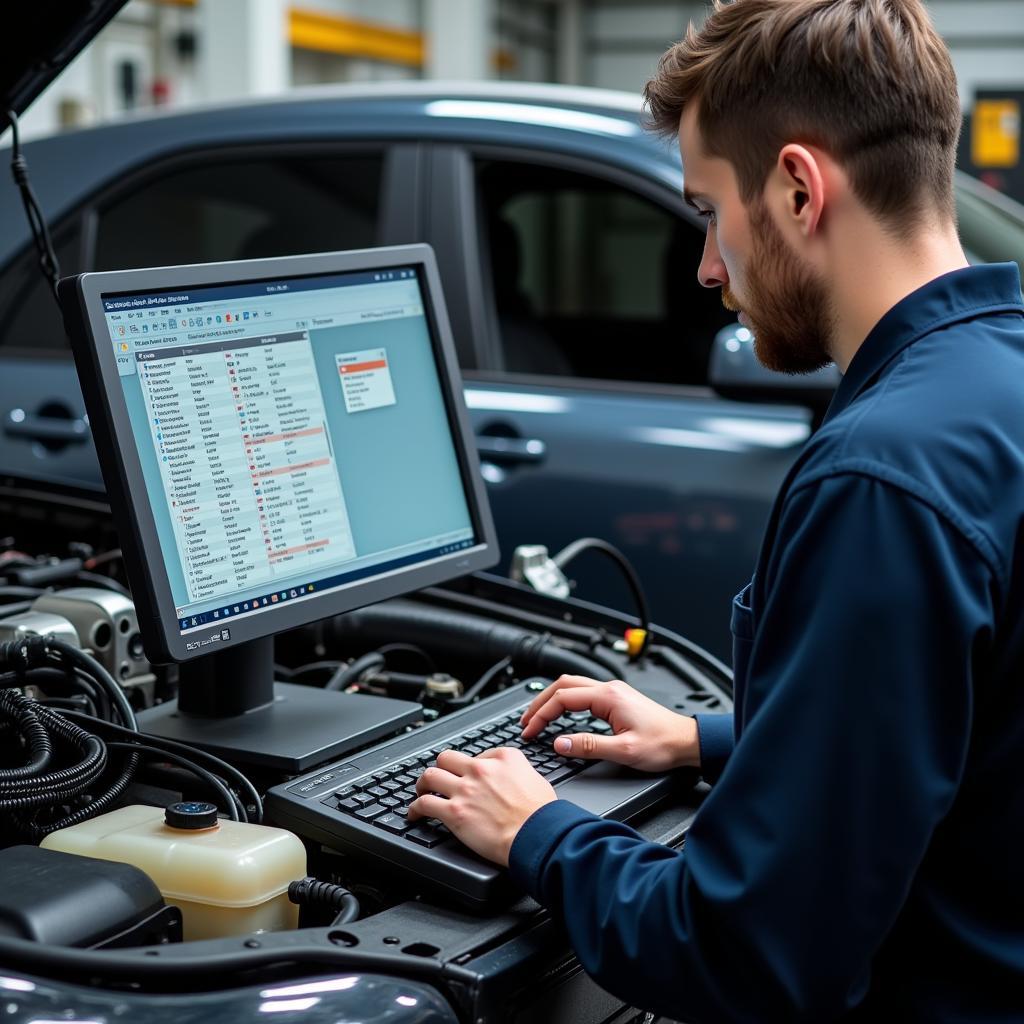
{"points": [[635, 641]]}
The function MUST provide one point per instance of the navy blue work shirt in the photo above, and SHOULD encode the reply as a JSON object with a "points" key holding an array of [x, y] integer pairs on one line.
{"points": [[861, 854]]}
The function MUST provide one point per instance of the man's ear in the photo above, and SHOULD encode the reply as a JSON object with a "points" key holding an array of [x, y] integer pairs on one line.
{"points": [[799, 179]]}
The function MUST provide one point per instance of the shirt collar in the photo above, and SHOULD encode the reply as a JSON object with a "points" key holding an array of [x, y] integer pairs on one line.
{"points": [[959, 295]]}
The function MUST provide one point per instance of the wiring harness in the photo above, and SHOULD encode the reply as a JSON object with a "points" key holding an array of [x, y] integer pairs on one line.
{"points": [[64, 765]]}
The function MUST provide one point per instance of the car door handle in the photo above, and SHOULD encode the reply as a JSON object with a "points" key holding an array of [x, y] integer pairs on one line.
{"points": [[46, 428], [510, 449]]}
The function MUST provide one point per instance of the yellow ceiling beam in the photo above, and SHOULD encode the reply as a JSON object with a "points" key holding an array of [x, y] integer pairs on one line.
{"points": [[351, 37]]}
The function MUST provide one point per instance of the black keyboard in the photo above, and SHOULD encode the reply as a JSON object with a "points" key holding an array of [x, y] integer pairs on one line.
{"points": [[359, 805]]}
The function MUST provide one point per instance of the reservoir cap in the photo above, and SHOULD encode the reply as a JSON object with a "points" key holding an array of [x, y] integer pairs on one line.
{"points": [[191, 814]]}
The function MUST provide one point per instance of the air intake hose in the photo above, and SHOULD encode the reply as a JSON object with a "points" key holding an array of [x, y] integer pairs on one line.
{"points": [[457, 634]]}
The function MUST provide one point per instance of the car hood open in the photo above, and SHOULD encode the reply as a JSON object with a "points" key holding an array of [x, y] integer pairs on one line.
{"points": [[40, 43]]}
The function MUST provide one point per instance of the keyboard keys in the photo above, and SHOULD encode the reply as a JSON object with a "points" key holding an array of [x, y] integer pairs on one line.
{"points": [[384, 797], [371, 811], [396, 824], [561, 773], [425, 835]]}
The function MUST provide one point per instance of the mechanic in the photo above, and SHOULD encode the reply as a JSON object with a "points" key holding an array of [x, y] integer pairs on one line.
{"points": [[861, 852]]}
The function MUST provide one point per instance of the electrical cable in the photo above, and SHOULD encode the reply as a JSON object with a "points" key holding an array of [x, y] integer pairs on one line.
{"points": [[94, 561], [348, 674], [577, 547], [597, 655], [36, 221], [482, 683], [230, 802], [35, 652], [55, 679], [35, 786], [94, 670], [394, 648], [221, 767], [329, 667], [97, 579]]}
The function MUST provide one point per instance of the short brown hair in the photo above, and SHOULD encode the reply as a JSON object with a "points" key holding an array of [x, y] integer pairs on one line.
{"points": [[868, 81]]}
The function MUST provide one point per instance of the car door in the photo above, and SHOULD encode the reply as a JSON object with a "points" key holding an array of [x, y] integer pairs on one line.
{"points": [[576, 286], [195, 206]]}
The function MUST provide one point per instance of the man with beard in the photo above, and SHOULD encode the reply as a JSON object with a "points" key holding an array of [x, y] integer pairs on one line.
{"points": [[861, 853]]}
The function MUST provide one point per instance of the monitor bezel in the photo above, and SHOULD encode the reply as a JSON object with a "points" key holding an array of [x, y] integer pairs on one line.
{"points": [[82, 300]]}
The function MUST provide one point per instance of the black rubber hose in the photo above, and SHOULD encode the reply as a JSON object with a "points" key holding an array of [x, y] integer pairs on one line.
{"points": [[462, 635], [310, 892], [348, 674]]}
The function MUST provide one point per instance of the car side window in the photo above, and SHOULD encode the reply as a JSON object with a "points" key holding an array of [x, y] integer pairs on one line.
{"points": [[29, 317], [591, 279], [248, 208]]}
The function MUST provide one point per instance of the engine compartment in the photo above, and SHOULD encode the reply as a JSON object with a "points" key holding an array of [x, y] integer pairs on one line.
{"points": [[428, 648]]}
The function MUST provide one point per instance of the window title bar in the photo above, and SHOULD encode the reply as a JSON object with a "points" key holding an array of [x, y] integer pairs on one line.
{"points": [[114, 302]]}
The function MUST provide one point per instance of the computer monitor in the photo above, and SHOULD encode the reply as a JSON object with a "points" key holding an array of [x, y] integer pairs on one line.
{"points": [[282, 440]]}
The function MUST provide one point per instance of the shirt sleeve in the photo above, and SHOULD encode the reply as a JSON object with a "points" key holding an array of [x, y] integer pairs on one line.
{"points": [[715, 734], [857, 715]]}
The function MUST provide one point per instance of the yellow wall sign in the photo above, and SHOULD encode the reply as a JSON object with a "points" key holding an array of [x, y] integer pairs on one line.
{"points": [[995, 133]]}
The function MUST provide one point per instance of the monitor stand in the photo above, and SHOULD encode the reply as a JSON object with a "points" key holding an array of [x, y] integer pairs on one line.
{"points": [[229, 705]]}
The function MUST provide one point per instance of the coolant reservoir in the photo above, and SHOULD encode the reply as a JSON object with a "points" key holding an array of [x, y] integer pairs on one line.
{"points": [[228, 877]]}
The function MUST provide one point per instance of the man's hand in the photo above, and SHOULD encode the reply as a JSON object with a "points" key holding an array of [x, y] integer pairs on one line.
{"points": [[484, 800], [645, 734]]}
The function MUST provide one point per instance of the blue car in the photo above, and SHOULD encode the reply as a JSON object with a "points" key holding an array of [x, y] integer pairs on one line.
{"points": [[612, 395]]}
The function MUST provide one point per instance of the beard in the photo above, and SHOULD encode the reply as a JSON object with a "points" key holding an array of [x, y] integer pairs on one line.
{"points": [[787, 305]]}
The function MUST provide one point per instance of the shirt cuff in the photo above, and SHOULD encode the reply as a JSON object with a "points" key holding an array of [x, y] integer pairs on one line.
{"points": [[537, 839], [716, 738]]}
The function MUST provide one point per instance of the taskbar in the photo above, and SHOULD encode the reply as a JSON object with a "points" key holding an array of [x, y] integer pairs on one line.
{"points": [[188, 623]]}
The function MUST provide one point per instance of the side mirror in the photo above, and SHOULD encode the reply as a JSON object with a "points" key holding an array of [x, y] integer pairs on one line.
{"points": [[734, 372]]}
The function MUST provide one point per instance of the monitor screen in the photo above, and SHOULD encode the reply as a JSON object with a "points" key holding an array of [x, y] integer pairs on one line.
{"points": [[285, 440]]}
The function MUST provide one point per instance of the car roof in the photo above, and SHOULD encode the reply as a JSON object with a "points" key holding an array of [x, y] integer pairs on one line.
{"points": [[596, 124]]}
